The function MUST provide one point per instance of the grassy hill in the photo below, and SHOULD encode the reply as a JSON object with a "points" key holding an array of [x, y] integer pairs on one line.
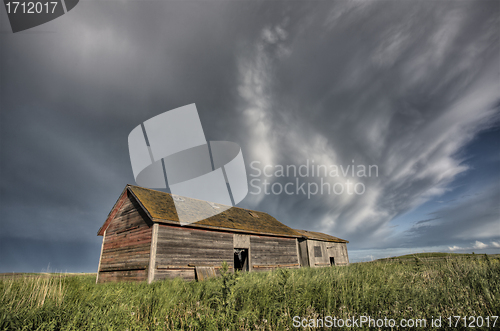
{"points": [[438, 255], [434, 256], [409, 287]]}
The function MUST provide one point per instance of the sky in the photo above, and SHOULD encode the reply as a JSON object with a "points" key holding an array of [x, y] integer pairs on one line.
{"points": [[410, 88]]}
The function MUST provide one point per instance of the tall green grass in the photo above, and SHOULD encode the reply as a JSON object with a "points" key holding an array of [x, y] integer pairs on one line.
{"points": [[250, 301]]}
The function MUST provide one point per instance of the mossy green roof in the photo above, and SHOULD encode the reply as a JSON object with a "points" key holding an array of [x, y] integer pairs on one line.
{"points": [[320, 236], [161, 208]]}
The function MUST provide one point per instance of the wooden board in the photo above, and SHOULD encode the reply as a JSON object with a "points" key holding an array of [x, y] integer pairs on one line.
{"points": [[181, 246], [126, 245], [270, 252], [152, 254], [241, 241], [123, 276], [186, 274], [203, 273]]}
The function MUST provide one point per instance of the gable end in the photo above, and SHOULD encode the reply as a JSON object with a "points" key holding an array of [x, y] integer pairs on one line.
{"points": [[126, 194]]}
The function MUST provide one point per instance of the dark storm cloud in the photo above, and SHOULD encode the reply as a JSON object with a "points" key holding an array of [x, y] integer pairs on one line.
{"points": [[71, 96], [403, 85]]}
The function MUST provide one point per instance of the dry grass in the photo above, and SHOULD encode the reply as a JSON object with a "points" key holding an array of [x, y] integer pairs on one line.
{"points": [[29, 292]]}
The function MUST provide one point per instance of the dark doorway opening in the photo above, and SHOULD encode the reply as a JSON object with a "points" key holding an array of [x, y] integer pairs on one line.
{"points": [[332, 260], [241, 259]]}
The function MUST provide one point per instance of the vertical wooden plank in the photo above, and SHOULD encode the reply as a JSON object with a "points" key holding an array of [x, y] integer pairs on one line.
{"points": [[324, 252], [250, 265], [344, 246], [298, 254], [100, 256], [310, 253], [304, 253], [152, 254]]}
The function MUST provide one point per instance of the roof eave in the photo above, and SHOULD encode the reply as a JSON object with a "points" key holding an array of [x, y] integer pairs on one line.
{"points": [[211, 227], [125, 193], [309, 235], [139, 201], [113, 212]]}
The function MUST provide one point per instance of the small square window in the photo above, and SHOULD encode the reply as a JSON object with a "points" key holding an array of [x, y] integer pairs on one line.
{"points": [[317, 251]]}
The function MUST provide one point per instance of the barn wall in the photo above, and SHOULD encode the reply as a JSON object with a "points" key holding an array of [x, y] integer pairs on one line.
{"points": [[318, 255], [126, 245], [180, 248], [328, 249], [339, 252], [273, 252]]}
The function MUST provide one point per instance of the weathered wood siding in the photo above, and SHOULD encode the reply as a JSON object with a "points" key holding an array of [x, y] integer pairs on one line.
{"points": [[318, 255], [273, 252], [303, 255], [126, 247], [241, 241], [339, 252], [123, 276], [179, 249], [326, 249]]}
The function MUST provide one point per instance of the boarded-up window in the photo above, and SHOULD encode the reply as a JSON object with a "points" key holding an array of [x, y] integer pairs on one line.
{"points": [[317, 251]]}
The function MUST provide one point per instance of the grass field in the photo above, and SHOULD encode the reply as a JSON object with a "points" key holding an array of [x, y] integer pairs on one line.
{"points": [[410, 287]]}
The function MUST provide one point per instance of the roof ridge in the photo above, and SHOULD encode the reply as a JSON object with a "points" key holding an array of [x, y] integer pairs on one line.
{"points": [[161, 207], [316, 235], [171, 194]]}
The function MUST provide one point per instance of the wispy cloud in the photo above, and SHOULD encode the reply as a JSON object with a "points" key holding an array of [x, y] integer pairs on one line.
{"points": [[478, 245], [406, 96]]}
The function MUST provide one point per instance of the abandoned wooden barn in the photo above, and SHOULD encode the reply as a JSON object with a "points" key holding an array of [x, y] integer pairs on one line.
{"points": [[143, 239], [317, 249]]}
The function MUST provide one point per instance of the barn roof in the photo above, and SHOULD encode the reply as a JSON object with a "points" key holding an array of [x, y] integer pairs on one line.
{"points": [[160, 208], [320, 236]]}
